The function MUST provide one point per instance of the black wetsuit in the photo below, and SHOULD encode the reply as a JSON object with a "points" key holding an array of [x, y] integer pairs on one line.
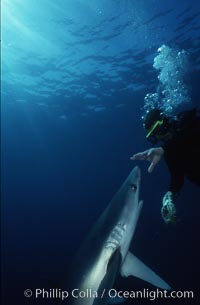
{"points": [[182, 151]]}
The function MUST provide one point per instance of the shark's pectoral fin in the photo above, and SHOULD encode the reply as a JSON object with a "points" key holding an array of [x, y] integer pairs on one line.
{"points": [[135, 267]]}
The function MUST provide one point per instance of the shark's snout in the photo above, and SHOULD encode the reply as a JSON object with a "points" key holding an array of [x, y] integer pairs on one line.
{"points": [[136, 174]]}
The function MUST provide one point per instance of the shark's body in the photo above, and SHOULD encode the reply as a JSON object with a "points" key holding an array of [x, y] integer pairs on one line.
{"points": [[105, 252]]}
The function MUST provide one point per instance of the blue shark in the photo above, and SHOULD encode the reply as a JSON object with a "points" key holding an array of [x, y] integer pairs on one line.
{"points": [[105, 251]]}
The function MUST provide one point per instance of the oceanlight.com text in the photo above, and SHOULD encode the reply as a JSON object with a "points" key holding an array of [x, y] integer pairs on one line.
{"points": [[54, 293]]}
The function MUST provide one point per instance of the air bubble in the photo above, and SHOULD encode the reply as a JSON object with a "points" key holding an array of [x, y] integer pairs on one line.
{"points": [[172, 93]]}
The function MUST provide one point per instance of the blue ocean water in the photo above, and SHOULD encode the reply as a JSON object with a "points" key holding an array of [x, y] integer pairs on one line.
{"points": [[74, 77]]}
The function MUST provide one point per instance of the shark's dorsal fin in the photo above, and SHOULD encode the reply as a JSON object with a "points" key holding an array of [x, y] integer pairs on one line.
{"points": [[135, 267]]}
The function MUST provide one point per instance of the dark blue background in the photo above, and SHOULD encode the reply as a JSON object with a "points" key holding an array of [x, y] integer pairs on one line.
{"points": [[58, 176], [55, 187]]}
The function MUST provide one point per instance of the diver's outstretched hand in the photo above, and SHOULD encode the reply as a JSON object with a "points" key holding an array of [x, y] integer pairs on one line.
{"points": [[153, 155]]}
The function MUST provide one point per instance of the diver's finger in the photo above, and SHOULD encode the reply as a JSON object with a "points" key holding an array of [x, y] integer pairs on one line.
{"points": [[151, 167], [139, 156], [150, 152], [154, 162]]}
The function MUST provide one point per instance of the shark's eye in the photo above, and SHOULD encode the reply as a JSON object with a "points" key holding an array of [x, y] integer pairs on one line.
{"points": [[133, 187]]}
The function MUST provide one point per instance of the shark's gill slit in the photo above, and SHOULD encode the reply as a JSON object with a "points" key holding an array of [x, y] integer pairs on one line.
{"points": [[116, 236]]}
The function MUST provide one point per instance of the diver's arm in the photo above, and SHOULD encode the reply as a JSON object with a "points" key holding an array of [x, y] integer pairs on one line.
{"points": [[176, 181], [172, 158]]}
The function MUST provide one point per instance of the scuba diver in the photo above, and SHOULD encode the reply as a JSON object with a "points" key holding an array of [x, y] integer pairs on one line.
{"points": [[180, 147]]}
